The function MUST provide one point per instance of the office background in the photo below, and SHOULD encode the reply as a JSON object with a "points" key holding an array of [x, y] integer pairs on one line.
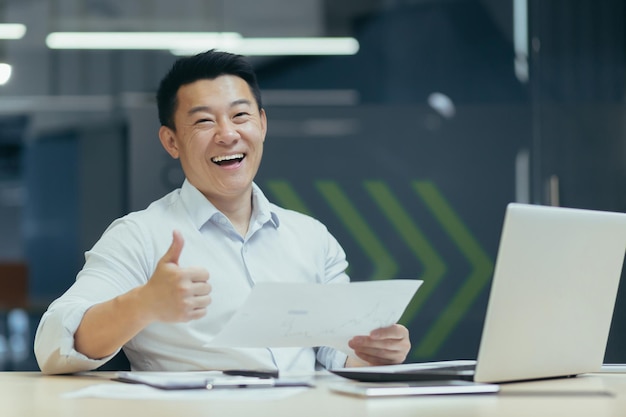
{"points": [[408, 150]]}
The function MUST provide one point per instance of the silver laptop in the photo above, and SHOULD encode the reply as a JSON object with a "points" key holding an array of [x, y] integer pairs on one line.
{"points": [[551, 303]]}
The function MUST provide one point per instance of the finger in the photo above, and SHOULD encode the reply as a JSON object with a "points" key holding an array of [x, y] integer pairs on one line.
{"points": [[202, 301], [201, 288], [199, 307], [364, 343], [198, 313], [395, 331], [393, 353], [196, 274], [173, 253], [375, 360]]}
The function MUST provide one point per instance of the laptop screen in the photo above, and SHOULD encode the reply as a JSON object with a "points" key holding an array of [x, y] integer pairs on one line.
{"points": [[552, 297]]}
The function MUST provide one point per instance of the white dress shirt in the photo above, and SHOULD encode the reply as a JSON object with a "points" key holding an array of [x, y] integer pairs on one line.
{"points": [[280, 245]]}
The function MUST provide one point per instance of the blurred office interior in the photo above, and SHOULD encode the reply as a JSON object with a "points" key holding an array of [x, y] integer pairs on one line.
{"points": [[408, 143]]}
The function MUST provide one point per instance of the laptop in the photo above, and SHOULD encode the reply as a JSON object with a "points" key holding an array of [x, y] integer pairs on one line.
{"points": [[551, 303]]}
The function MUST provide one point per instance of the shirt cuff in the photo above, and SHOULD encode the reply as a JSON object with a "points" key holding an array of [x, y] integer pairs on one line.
{"points": [[54, 341], [331, 358]]}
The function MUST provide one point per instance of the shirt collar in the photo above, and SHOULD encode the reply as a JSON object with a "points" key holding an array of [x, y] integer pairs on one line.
{"points": [[201, 210], [262, 209]]}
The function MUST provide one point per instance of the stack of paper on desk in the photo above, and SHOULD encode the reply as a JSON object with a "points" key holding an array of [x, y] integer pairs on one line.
{"points": [[398, 389], [205, 380], [308, 315]]}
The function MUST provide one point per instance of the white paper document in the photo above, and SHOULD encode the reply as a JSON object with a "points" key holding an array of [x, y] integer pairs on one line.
{"points": [[117, 391], [309, 315]]}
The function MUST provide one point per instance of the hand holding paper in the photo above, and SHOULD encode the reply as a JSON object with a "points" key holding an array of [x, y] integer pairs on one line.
{"points": [[309, 315], [384, 346]]}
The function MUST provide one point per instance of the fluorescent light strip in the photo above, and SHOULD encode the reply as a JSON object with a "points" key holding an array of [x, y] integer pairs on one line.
{"points": [[187, 43], [12, 30], [283, 46], [520, 26], [137, 40]]}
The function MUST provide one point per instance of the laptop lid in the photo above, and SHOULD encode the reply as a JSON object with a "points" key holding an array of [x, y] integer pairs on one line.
{"points": [[553, 292], [551, 302]]}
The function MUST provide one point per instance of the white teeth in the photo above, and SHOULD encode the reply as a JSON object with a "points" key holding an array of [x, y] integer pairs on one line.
{"points": [[227, 157]]}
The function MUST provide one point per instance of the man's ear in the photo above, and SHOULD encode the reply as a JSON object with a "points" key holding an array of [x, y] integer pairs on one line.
{"points": [[263, 117], [168, 140]]}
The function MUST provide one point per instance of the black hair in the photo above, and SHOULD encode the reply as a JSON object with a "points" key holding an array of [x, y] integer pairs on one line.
{"points": [[206, 65]]}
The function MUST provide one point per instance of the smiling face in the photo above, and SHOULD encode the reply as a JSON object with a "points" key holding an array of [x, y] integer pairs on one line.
{"points": [[219, 137]]}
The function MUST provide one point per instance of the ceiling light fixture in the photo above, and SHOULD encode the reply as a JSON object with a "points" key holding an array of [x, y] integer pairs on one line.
{"points": [[442, 104], [12, 30], [5, 73], [137, 40], [282, 46], [187, 43]]}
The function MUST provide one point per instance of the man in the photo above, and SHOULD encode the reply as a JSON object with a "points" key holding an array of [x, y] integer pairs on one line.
{"points": [[163, 281]]}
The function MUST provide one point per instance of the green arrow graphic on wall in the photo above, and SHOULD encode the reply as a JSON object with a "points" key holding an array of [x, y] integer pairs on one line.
{"points": [[482, 268], [385, 266], [287, 197], [434, 267]]}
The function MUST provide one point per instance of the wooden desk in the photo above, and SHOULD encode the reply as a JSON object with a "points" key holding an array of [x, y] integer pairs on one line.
{"points": [[29, 394]]}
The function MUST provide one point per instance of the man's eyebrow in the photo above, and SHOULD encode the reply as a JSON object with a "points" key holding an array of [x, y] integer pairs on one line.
{"points": [[240, 101], [199, 109]]}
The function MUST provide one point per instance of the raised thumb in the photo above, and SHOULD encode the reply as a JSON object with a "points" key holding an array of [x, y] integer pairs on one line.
{"points": [[173, 253]]}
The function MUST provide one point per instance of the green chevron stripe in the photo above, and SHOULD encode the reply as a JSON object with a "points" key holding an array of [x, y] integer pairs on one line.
{"points": [[434, 267], [384, 265], [482, 269], [286, 197]]}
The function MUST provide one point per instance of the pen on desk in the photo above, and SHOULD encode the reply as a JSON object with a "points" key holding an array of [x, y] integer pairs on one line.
{"points": [[257, 383], [256, 374]]}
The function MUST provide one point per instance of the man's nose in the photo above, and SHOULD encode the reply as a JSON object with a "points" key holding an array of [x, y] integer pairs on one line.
{"points": [[227, 132]]}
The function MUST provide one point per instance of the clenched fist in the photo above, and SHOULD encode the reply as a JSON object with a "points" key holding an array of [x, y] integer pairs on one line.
{"points": [[176, 294]]}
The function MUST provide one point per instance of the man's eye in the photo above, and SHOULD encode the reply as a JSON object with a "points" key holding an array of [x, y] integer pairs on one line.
{"points": [[204, 121]]}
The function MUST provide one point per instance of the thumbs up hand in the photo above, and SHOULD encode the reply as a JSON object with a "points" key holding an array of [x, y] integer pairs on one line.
{"points": [[175, 294]]}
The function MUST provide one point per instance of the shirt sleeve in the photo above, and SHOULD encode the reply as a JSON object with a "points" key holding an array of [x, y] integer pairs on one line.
{"points": [[54, 339], [331, 358], [335, 261], [110, 269], [335, 273]]}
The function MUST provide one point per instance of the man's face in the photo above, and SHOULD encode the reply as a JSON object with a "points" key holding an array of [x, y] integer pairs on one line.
{"points": [[219, 136]]}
